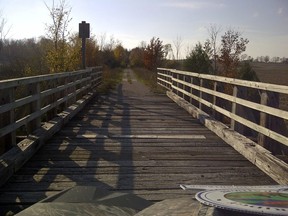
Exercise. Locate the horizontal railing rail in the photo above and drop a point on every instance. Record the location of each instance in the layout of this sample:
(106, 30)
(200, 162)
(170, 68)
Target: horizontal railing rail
(26, 103)
(238, 103)
(240, 112)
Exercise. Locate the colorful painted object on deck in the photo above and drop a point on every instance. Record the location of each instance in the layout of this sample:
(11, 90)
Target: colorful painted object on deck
(263, 202)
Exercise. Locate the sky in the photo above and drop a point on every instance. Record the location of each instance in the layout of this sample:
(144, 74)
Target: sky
(263, 22)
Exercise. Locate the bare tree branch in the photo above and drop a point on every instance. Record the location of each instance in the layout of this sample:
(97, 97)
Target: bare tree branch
(214, 49)
(178, 44)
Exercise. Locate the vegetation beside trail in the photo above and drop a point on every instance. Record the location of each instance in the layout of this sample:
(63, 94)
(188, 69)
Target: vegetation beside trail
(110, 79)
(148, 78)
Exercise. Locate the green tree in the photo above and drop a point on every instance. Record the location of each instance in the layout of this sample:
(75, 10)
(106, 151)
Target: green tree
(153, 54)
(198, 60)
(246, 72)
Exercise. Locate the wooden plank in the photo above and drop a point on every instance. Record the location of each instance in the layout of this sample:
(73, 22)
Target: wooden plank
(14, 159)
(151, 168)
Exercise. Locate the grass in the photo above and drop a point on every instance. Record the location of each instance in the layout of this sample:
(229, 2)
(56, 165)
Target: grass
(110, 79)
(149, 78)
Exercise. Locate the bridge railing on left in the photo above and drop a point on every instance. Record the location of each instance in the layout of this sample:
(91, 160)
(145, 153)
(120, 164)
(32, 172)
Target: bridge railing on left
(33, 108)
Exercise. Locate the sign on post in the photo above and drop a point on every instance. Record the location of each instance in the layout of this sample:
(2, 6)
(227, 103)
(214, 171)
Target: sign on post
(84, 32)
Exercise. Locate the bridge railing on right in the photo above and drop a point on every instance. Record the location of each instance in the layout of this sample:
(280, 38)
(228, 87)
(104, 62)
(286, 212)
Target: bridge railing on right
(249, 108)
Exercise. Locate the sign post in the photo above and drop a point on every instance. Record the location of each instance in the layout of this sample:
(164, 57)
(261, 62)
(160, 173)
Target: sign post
(84, 32)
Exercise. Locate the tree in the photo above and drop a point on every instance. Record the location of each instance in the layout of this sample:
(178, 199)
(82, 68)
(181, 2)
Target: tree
(246, 72)
(243, 57)
(92, 52)
(168, 51)
(211, 47)
(232, 46)
(136, 57)
(266, 59)
(198, 60)
(58, 33)
(3, 31)
(178, 44)
(120, 55)
(153, 54)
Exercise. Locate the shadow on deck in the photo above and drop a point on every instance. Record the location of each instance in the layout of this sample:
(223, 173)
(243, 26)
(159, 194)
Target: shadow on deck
(142, 145)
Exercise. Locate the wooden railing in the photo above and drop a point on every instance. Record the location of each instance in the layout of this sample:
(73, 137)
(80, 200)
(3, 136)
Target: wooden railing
(27, 102)
(248, 108)
(33, 109)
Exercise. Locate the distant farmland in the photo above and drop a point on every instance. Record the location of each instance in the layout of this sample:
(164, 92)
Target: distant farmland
(272, 72)
(275, 73)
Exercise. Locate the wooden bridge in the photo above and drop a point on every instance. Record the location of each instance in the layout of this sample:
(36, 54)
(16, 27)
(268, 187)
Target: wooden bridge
(132, 140)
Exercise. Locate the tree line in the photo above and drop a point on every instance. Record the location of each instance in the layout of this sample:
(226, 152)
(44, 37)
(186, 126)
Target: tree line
(59, 51)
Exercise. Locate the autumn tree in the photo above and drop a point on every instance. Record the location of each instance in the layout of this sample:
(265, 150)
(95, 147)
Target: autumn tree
(232, 46)
(57, 32)
(92, 52)
(120, 55)
(136, 57)
(153, 54)
(22, 58)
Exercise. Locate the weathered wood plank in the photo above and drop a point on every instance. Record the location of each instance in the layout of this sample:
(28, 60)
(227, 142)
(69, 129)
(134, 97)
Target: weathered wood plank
(151, 167)
(272, 166)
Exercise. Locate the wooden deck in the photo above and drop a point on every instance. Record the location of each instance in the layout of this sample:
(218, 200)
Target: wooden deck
(144, 145)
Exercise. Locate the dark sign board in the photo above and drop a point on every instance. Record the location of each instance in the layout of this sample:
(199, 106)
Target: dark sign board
(84, 30)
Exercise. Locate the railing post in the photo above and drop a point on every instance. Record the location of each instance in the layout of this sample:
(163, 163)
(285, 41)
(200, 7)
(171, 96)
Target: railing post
(177, 84)
(170, 79)
(7, 96)
(66, 92)
(214, 98)
(263, 118)
(73, 89)
(34, 89)
(234, 106)
(200, 94)
(51, 113)
(191, 89)
(184, 87)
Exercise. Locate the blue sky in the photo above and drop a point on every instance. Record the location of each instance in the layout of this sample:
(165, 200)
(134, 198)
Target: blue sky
(263, 22)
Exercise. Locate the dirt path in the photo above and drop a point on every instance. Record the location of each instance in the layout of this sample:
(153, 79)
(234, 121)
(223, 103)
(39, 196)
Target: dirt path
(132, 87)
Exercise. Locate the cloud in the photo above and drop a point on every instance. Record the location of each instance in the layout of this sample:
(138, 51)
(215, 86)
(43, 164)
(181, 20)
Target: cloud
(255, 14)
(193, 5)
(280, 11)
